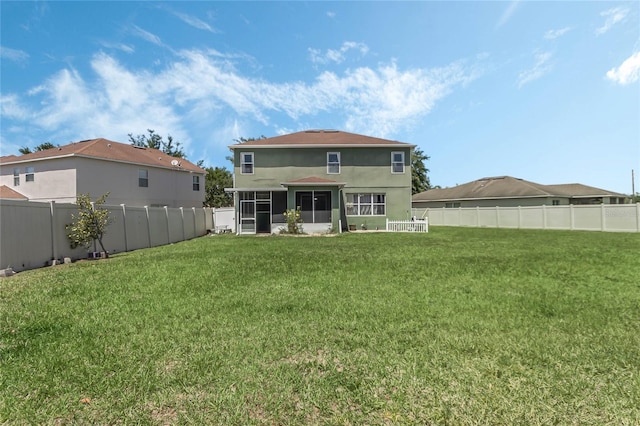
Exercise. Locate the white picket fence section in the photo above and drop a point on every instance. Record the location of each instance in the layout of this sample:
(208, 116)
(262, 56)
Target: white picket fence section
(418, 225)
(600, 217)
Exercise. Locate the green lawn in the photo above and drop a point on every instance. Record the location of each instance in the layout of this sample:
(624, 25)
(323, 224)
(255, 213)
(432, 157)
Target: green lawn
(458, 326)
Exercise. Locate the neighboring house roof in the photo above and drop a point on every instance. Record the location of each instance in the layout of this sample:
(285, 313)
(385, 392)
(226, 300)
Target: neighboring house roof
(105, 149)
(321, 139)
(8, 193)
(510, 187)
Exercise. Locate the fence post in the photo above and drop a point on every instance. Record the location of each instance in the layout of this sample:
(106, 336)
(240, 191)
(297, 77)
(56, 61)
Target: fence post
(54, 242)
(544, 216)
(477, 216)
(184, 235)
(638, 216)
(519, 217)
(124, 224)
(572, 225)
(387, 223)
(166, 214)
(195, 229)
(602, 218)
(497, 217)
(146, 208)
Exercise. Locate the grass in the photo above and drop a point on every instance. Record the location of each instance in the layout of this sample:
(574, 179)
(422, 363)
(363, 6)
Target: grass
(458, 326)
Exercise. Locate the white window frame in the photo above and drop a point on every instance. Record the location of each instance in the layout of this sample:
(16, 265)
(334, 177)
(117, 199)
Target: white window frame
(243, 163)
(196, 183)
(333, 163)
(143, 176)
(393, 162)
(29, 174)
(354, 202)
(16, 176)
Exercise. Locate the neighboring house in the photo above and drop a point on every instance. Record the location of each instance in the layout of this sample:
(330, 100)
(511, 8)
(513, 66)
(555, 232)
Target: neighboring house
(7, 193)
(506, 191)
(337, 179)
(132, 175)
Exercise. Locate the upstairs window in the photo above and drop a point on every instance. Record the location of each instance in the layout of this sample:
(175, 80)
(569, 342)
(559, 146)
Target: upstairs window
(333, 163)
(246, 163)
(143, 178)
(29, 175)
(16, 177)
(397, 162)
(196, 183)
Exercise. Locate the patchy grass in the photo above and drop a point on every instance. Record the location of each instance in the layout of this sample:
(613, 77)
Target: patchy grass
(458, 326)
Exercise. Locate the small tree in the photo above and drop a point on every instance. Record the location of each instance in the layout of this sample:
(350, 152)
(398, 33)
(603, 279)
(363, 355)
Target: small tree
(217, 179)
(419, 173)
(90, 223)
(155, 141)
(42, 147)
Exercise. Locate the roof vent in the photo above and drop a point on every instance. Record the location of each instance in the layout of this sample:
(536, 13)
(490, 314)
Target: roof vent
(138, 146)
(109, 145)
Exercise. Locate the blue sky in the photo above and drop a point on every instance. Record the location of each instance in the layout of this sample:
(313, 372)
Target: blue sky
(544, 91)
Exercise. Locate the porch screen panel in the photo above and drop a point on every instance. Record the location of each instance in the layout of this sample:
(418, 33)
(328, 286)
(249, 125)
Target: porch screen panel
(278, 206)
(322, 206)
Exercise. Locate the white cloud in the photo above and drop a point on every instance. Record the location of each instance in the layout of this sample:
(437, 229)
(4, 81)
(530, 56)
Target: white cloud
(339, 55)
(10, 107)
(554, 34)
(194, 22)
(613, 16)
(539, 69)
(146, 35)
(628, 72)
(119, 46)
(331, 14)
(508, 13)
(13, 54)
(199, 89)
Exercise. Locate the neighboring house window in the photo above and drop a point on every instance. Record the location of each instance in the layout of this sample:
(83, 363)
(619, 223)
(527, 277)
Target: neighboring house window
(196, 183)
(397, 162)
(333, 163)
(366, 204)
(451, 205)
(555, 202)
(143, 178)
(16, 177)
(246, 163)
(29, 175)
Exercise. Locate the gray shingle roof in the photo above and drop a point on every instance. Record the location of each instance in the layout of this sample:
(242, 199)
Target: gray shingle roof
(510, 187)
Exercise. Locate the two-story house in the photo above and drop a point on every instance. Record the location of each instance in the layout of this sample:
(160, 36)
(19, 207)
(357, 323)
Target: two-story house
(339, 180)
(134, 176)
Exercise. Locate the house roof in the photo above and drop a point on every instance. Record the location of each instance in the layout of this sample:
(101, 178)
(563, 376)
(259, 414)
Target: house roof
(8, 193)
(105, 149)
(510, 187)
(321, 139)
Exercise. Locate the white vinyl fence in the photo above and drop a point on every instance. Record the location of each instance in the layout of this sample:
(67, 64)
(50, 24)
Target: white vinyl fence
(33, 234)
(601, 217)
(419, 225)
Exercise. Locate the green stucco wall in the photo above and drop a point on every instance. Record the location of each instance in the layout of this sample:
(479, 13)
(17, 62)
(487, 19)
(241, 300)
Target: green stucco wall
(362, 170)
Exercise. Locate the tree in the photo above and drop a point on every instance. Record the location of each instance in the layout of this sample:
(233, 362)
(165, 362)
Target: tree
(43, 146)
(419, 178)
(216, 181)
(155, 141)
(89, 223)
